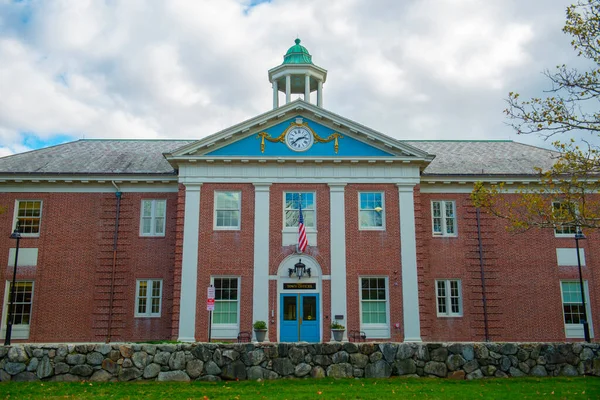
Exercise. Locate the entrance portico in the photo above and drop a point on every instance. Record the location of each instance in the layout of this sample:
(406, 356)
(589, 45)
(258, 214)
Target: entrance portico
(299, 301)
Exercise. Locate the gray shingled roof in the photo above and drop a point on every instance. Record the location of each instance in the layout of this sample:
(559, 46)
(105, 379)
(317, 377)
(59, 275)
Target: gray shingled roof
(96, 157)
(146, 157)
(484, 157)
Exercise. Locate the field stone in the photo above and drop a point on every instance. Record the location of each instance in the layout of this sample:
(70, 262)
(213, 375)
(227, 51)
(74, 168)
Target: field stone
(405, 350)
(440, 354)
(103, 349)
(151, 371)
(173, 376)
(194, 368)
(129, 374)
(17, 354)
(405, 367)
(75, 359)
(389, 351)
(516, 372)
(38, 353)
(94, 358)
(211, 368)
(340, 357)
(234, 371)
(101, 376)
(317, 372)
(44, 368)
(343, 370)
(82, 370)
(359, 360)
(477, 374)
(302, 369)
(162, 357)
(255, 373)
(455, 361)
(140, 359)
(61, 368)
(13, 368)
(436, 368)
(283, 366)
(538, 370)
(25, 377)
(177, 361)
(569, 370)
(126, 351)
(33, 364)
(379, 369)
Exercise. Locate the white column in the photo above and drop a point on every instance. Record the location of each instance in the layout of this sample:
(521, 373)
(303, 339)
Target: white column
(260, 305)
(288, 89)
(320, 93)
(189, 265)
(408, 255)
(307, 88)
(338, 253)
(275, 95)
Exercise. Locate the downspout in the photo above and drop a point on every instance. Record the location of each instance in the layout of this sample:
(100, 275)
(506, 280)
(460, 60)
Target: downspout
(484, 299)
(114, 263)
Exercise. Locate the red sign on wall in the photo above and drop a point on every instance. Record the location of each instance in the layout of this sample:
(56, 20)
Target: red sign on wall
(210, 304)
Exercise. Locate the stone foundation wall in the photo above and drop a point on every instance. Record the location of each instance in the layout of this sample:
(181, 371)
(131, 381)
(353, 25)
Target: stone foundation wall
(212, 362)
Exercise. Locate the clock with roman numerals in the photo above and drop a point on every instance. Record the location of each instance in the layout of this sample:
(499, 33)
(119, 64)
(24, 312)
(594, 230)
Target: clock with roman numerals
(299, 138)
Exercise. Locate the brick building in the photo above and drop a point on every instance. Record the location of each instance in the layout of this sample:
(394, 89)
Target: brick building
(121, 238)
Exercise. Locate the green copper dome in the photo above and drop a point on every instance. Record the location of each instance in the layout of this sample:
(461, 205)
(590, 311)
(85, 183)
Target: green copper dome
(297, 55)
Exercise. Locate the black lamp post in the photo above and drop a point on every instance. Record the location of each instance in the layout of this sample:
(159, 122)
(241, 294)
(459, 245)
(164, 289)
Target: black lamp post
(15, 235)
(586, 328)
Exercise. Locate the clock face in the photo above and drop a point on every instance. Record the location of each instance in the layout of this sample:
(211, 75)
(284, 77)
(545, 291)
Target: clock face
(299, 139)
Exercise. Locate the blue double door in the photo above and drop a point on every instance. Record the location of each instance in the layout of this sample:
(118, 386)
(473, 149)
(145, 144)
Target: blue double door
(299, 318)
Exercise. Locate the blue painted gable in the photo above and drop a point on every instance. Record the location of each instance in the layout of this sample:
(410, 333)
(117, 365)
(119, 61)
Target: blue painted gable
(250, 146)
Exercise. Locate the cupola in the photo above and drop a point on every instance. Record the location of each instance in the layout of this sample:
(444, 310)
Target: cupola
(297, 75)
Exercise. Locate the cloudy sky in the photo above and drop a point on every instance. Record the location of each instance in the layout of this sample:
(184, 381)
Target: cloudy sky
(412, 69)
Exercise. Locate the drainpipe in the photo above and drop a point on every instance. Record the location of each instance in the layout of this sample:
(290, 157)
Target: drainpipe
(484, 299)
(114, 263)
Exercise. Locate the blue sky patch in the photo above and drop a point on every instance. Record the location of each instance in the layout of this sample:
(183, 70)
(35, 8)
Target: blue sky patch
(33, 141)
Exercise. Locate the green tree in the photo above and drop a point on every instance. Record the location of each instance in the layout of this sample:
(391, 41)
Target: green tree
(562, 196)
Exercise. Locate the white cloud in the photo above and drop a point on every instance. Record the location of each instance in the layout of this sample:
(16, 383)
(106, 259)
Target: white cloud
(433, 69)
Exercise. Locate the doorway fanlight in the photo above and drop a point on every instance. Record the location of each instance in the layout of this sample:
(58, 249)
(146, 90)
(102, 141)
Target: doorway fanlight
(299, 269)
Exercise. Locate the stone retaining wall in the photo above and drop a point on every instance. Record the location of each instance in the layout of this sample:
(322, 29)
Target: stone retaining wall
(212, 362)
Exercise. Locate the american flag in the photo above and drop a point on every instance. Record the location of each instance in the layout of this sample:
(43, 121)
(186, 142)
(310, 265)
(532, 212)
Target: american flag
(302, 240)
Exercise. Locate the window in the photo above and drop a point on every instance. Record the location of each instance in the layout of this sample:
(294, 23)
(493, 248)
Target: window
(443, 218)
(449, 300)
(28, 216)
(573, 308)
(374, 313)
(148, 298)
(227, 210)
(371, 210)
(153, 218)
(563, 211)
(225, 317)
(21, 312)
(292, 206)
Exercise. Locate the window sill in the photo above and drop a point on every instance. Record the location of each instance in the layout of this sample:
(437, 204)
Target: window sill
(152, 236)
(449, 316)
(444, 236)
(226, 229)
(147, 316)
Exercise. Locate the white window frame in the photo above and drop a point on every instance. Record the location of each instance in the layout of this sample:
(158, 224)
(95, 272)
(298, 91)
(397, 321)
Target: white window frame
(314, 210)
(575, 331)
(148, 297)
(289, 234)
(375, 331)
(152, 218)
(227, 331)
(239, 210)
(382, 212)
(448, 298)
(16, 217)
(444, 227)
(20, 331)
(562, 228)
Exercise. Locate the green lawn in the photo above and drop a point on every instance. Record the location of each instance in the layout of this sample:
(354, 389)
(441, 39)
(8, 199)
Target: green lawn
(513, 388)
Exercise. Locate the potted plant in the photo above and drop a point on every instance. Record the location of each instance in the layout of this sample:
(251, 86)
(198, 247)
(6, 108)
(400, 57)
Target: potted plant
(260, 330)
(337, 330)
